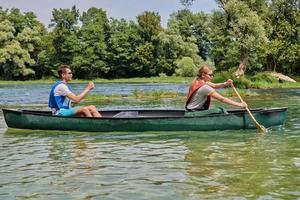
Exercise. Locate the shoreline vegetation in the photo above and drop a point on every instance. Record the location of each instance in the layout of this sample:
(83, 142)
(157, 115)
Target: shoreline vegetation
(234, 43)
(139, 97)
(260, 81)
(148, 98)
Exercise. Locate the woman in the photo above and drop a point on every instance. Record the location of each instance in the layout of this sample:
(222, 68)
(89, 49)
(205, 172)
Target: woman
(202, 90)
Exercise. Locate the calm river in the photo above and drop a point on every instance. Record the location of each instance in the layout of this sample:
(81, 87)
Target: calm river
(152, 165)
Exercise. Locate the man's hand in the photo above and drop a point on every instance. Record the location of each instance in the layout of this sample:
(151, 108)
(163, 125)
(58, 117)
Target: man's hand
(90, 85)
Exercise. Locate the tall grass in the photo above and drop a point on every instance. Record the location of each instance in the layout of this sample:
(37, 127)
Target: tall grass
(260, 80)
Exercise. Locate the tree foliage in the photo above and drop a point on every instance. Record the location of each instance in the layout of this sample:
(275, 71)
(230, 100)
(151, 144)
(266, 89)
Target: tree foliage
(20, 36)
(248, 36)
(284, 47)
(65, 34)
(90, 57)
(186, 67)
(149, 24)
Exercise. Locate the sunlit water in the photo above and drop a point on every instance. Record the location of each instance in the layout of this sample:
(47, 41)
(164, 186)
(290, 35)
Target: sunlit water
(149, 165)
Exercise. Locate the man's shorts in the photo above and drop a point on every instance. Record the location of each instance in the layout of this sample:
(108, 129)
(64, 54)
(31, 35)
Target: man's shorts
(67, 112)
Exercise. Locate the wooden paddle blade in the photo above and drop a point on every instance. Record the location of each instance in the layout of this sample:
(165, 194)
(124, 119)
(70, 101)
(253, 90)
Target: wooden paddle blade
(261, 128)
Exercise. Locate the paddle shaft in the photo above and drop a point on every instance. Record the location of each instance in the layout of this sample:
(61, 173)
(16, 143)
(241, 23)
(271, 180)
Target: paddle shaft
(249, 112)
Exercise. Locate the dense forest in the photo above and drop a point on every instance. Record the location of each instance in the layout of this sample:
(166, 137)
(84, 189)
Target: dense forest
(242, 36)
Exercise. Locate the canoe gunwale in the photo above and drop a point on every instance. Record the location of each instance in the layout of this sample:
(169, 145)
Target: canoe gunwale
(230, 112)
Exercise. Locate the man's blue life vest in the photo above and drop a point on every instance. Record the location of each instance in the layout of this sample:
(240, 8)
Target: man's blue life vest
(58, 102)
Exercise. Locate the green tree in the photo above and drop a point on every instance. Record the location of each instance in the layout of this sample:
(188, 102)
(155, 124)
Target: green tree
(143, 59)
(90, 59)
(284, 47)
(187, 24)
(21, 21)
(123, 40)
(65, 31)
(247, 28)
(176, 42)
(186, 67)
(20, 43)
(46, 57)
(224, 48)
(201, 31)
(145, 56)
(12, 56)
(172, 48)
(149, 24)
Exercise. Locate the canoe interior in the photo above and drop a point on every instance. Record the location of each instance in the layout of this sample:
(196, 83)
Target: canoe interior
(153, 113)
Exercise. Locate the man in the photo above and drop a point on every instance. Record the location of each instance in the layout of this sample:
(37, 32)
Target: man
(202, 90)
(60, 97)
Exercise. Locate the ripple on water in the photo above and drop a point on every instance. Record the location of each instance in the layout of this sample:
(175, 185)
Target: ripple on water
(184, 165)
(68, 164)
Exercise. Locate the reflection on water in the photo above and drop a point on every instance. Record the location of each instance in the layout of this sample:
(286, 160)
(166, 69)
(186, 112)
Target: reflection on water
(37, 164)
(112, 168)
(158, 165)
(254, 168)
(38, 93)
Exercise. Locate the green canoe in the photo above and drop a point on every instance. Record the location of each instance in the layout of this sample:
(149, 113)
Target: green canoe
(145, 120)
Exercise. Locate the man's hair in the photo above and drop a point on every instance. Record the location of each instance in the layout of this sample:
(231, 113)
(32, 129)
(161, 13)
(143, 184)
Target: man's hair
(203, 69)
(62, 69)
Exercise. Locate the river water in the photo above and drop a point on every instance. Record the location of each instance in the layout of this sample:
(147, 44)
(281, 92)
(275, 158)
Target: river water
(152, 165)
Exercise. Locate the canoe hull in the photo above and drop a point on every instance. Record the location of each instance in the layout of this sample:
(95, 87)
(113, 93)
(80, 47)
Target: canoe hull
(171, 121)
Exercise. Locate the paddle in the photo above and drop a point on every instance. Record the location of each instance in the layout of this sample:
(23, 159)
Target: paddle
(261, 128)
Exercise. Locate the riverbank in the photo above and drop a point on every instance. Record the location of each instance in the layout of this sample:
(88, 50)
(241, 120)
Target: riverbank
(167, 79)
(243, 83)
(139, 97)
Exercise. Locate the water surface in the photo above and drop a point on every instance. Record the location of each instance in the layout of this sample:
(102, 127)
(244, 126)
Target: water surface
(240, 164)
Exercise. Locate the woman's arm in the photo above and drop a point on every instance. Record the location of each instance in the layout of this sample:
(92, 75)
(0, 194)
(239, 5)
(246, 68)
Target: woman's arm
(220, 85)
(226, 100)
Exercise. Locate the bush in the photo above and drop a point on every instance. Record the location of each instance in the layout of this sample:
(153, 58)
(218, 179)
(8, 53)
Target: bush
(264, 77)
(162, 75)
(186, 67)
(242, 82)
(221, 77)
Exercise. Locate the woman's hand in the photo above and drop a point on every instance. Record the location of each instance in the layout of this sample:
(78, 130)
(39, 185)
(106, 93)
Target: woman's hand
(243, 104)
(229, 82)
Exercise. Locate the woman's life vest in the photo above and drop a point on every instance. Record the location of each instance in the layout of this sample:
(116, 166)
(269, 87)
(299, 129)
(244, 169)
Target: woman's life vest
(196, 84)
